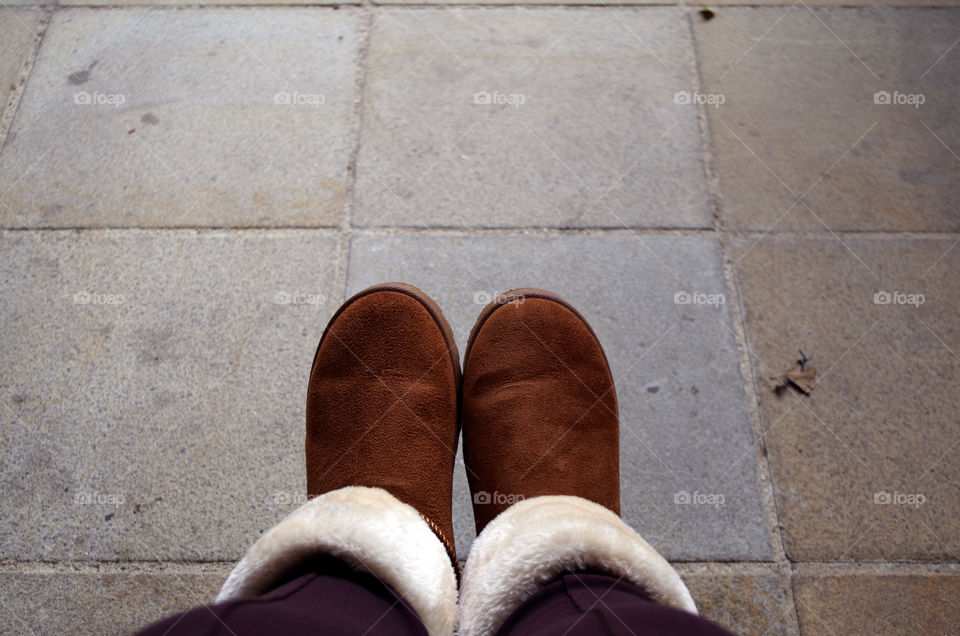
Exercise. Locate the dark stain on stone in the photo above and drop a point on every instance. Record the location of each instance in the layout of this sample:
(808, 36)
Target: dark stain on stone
(913, 177)
(81, 77)
(142, 507)
(150, 118)
(652, 389)
(156, 345)
(46, 264)
(108, 517)
(163, 398)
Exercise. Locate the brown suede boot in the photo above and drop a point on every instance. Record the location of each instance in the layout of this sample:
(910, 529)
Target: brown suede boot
(541, 445)
(383, 403)
(539, 406)
(382, 411)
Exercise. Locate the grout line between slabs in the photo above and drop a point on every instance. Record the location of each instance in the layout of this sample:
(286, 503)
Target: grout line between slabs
(830, 568)
(346, 228)
(764, 469)
(117, 567)
(14, 96)
(721, 568)
(345, 232)
(478, 231)
(367, 4)
(486, 5)
(781, 566)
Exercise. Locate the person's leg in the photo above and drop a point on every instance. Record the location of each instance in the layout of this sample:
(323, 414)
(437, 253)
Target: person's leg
(541, 446)
(590, 603)
(381, 435)
(332, 598)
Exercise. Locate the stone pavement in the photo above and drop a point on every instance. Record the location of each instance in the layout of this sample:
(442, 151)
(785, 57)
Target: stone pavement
(188, 191)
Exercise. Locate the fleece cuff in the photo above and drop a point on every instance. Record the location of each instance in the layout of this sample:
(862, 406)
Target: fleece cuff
(535, 540)
(369, 529)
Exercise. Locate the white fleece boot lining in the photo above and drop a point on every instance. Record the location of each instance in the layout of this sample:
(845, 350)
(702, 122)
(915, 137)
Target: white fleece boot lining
(371, 530)
(533, 541)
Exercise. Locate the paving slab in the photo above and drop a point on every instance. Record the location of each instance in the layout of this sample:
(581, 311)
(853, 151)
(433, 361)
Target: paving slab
(197, 117)
(29, 3)
(153, 389)
(201, 3)
(837, 3)
(844, 119)
(112, 601)
(18, 30)
(878, 603)
(529, 2)
(866, 466)
(530, 117)
(746, 598)
(688, 459)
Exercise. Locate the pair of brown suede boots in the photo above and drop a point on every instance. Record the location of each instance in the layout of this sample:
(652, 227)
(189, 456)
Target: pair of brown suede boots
(385, 407)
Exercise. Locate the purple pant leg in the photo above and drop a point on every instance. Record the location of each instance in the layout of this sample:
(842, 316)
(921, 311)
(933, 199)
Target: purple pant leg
(332, 600)
(581, 604)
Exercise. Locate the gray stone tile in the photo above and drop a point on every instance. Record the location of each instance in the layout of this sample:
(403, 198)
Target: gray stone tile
(45, 600)
(195, 117)
(800, 118)
(864, 467)
(581, 128)
(201, 3)
(530, 2)
(153, 388)
(685, 426)
(18, 29)
(838, 3)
